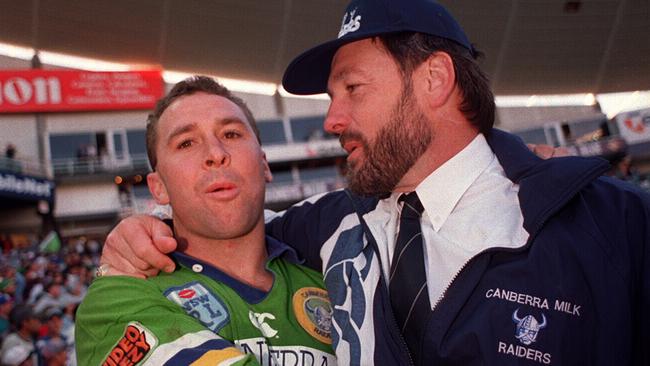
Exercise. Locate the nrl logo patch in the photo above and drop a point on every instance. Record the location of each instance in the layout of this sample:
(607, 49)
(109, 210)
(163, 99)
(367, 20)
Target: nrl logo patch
(200, 303)
(351, 25)
(314, 312)
(133, 347)
(527, 327)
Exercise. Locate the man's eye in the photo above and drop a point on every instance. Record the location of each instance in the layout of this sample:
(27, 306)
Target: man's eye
(351, 87)
(232, 134)
(185, 144)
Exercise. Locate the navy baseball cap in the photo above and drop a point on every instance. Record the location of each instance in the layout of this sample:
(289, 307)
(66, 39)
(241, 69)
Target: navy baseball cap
(308, 73)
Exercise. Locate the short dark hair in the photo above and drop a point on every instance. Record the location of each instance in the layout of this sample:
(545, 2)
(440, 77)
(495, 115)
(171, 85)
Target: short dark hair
(194, 84)
(20, 314)
(410, 49)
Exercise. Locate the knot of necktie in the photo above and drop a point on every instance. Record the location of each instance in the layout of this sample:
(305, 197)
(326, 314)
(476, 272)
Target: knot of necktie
(412, 205)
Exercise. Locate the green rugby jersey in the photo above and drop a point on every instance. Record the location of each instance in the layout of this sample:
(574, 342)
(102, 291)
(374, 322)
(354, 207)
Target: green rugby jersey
(198, 315)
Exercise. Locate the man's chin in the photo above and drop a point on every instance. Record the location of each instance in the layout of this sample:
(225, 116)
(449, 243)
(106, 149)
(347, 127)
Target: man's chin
(366, 188)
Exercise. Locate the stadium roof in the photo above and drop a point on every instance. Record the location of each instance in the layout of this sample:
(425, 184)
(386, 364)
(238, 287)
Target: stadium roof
(531, 46)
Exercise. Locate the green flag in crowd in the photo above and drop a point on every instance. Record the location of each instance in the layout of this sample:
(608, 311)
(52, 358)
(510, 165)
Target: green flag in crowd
(51, 243)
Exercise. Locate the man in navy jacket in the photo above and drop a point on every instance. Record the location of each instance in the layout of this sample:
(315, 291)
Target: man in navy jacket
(527, 261)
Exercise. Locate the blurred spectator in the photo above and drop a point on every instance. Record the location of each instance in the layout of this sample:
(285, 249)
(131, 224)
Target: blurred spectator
(10, 151)
(51, 297)
(53, 352)
(623, 168)
(5, 242)
(18, 356)
(27, 326)
(6, 305)
(67, 332)
(52, 324)
(73, 290)
(7, 285)
(91, 152)
(10, 162)
(93, 246)
(36, 278)
(52, 342)
(16, 282)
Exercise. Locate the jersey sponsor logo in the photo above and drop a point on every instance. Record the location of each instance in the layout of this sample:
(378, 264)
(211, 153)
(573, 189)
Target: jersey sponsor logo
(187, 293)
(259, 321)
(200, 303)
(270, 355)
(132, 348)
(314, 312)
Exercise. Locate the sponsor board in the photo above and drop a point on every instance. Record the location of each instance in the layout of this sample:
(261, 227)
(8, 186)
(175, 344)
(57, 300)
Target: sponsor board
(30, 91)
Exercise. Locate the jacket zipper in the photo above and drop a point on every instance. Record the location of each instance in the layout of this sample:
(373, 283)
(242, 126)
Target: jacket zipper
(401, 337)
(530, 240)
(522, 248)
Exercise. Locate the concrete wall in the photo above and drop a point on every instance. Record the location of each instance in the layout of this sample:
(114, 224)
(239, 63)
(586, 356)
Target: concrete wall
(95, 121)
(20, 130)
(86, 199)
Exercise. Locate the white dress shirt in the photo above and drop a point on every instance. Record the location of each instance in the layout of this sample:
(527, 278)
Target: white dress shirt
(469, 206)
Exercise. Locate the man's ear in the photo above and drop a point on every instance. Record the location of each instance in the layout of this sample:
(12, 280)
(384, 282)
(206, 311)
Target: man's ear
(157, 188)
(436, 78)
(268, 177)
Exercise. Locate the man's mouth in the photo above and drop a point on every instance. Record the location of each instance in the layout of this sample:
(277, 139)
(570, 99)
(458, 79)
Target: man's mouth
(220, 186)
(351, 146)
(222, 190)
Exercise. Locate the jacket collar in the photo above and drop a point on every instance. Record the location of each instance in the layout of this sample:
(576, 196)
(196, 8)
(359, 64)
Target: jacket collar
(544, 185)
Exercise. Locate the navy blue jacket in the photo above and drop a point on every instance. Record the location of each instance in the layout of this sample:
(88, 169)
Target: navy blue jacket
(578, 293)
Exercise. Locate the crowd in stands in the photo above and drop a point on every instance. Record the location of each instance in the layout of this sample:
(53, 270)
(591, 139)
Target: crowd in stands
(39, 295)
(624, 168)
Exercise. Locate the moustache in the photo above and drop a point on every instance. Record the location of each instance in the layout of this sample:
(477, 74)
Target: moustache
(352, 135)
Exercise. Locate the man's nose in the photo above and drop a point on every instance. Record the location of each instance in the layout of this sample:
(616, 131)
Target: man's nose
(216, 154)
(337, 119)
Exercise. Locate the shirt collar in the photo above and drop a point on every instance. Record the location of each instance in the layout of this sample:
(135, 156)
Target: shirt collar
(443, 188)
(274, 248)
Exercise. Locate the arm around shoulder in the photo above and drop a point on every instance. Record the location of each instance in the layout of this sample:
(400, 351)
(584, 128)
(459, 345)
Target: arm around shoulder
(306, 225)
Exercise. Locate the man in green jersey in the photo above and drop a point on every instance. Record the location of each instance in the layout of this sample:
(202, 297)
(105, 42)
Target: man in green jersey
(237, 295)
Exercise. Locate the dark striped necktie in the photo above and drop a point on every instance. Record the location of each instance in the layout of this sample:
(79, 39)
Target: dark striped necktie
(408, 282)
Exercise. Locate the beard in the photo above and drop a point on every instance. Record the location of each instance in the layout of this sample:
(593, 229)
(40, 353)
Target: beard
(396, 148)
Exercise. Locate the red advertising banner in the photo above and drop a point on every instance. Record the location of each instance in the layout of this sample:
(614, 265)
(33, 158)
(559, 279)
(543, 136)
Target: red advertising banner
(28, 91)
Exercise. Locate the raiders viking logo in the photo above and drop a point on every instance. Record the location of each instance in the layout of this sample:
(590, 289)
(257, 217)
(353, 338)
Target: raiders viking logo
(314, 312)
